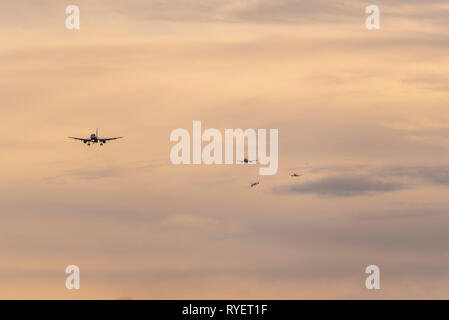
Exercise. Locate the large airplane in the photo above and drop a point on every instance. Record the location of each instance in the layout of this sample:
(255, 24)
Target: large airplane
(95, 139)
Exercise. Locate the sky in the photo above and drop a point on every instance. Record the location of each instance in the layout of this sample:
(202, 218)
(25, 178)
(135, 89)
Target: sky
(363, 114)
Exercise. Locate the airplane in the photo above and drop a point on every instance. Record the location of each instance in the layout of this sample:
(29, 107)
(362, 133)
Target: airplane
(95, 139)
(296, 175)
(253, 184)
(245, 160)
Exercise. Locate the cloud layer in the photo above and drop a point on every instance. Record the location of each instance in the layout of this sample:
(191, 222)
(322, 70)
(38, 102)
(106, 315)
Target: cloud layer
(347, 181)
(343, 186)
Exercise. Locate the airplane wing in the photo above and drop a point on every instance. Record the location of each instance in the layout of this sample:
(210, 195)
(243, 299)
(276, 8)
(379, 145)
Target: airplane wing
(80, 139)
(109, 139)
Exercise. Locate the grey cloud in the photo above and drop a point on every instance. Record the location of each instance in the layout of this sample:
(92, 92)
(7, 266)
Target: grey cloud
(109, 172)
(94, 174)
(237, 10)
(343, 186)
(274, 11)
(438, 175)
(435, 82)
(398, 215)
(384, 229)
(350, 181)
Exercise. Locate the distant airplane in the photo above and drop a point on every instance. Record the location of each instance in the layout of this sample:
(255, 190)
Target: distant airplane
(95, 139)
(296, 175)
(245, 160)
(253, 184)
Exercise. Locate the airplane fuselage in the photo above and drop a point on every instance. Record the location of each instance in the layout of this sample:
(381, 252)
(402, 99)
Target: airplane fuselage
(93, 138)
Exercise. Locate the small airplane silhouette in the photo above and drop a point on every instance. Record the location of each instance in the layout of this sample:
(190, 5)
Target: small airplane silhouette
(245, 160)
(253, 184)
(296, 175)
(95, 139)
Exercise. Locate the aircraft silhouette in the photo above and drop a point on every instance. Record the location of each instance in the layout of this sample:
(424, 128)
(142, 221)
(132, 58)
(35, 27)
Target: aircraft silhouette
(253, 184)
(245, 160)
(296, 175)
(95, 139)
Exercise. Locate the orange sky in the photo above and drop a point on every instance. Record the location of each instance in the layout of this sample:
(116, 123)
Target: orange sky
(362, 113)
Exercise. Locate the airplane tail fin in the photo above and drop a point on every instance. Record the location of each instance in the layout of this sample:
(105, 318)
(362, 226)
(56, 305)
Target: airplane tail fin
(96, 132)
